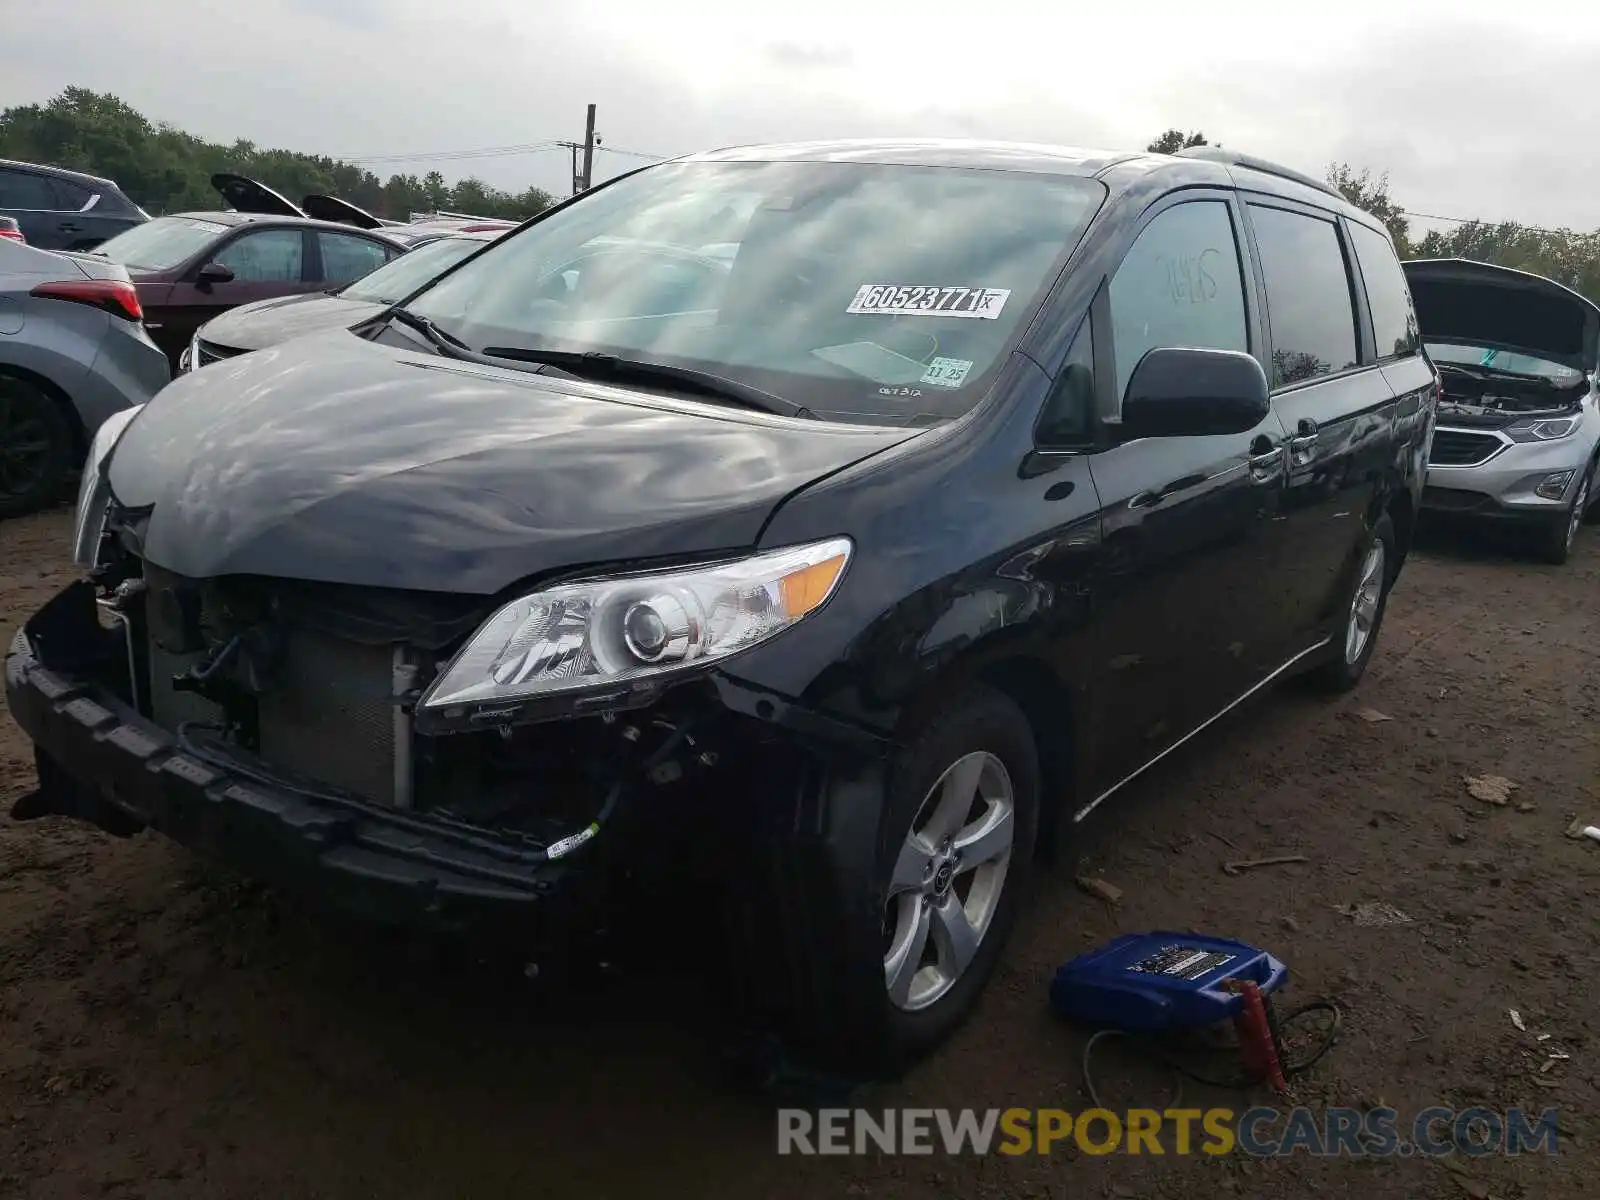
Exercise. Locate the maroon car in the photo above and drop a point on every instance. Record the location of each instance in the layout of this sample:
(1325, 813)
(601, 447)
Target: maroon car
(191, 266)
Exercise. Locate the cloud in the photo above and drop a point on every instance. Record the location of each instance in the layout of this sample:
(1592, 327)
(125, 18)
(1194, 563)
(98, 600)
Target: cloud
(1468, 114)
(799, 57)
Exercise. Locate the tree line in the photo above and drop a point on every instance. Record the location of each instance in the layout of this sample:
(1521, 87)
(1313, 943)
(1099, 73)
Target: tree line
(1570, 257)
(163, 169)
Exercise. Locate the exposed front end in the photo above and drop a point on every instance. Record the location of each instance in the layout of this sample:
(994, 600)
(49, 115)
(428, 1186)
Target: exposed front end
(1519, 413)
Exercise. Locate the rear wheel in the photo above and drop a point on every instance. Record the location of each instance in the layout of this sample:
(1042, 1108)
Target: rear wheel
(36, 448)
(955, 849)
(1358, 635)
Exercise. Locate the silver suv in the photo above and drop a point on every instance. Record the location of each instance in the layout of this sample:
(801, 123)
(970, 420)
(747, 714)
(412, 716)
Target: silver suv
(1519, 419)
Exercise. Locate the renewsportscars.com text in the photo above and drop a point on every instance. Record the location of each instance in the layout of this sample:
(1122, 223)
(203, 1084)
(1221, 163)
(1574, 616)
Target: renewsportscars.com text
(1261, 1132)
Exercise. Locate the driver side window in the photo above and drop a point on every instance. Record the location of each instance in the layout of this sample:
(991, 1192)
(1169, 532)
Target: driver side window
(1179, 285)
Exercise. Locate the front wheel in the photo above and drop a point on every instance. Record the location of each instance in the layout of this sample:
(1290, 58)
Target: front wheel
(1553, 541)
(1369, 598)
(954, 851)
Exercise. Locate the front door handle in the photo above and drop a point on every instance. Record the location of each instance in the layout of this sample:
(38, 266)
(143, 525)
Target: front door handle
(1265, 460)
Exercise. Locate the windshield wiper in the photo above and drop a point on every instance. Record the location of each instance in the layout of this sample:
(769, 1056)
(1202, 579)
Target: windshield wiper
(599, 365)
(445, 343)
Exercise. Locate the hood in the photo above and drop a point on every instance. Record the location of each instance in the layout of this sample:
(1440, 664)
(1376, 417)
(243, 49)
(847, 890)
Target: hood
(331, 208)
(335, 459)
(1479, 304)
(248, 196)
(267, 322)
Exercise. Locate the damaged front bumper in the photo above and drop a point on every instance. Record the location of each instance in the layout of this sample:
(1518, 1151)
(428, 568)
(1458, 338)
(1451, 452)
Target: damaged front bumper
(101, 761)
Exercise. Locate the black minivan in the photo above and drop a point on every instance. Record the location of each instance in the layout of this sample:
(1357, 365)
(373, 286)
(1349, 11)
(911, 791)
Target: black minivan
(779, 548)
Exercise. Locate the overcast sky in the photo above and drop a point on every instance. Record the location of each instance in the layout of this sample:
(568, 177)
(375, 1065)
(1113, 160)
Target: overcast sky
(1472, 112)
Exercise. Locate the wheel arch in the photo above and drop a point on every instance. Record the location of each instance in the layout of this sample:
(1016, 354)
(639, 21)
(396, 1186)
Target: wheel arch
(1040, 694)
(1402, 512)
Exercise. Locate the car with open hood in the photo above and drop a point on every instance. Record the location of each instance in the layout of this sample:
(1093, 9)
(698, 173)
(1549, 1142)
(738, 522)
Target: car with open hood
(805, 595)
(1519, 419)
(265, 323)
(189, 267)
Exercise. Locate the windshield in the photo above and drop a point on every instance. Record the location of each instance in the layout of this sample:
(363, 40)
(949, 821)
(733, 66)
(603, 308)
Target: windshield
(161, 244)
(398, 278)
(1502, 360)
(859, 291)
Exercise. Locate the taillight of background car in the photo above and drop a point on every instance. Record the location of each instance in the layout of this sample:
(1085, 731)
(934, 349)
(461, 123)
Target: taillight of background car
(10, 229)
(110, 295)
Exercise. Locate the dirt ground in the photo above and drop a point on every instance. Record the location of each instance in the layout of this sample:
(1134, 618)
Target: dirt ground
(167, 1030)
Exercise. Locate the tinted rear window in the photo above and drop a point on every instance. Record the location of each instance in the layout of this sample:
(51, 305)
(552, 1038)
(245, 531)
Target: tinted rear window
(1394, 323)
(1308, 295)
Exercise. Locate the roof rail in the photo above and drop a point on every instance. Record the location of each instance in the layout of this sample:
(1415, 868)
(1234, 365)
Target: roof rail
(1233, 158)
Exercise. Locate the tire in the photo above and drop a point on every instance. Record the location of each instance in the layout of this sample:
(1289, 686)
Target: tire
(36, 448)
(978, 737)
(1553, 540)
(1344, 669)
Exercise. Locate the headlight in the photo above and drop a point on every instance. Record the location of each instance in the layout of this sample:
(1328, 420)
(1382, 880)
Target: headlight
(1543, 431)
(601, 632)
(189, 357)
(93, 491)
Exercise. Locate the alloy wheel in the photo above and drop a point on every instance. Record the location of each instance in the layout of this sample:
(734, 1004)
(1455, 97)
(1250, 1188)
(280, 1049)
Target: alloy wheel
(1579, 503)
(948, 879)
(1364, 607)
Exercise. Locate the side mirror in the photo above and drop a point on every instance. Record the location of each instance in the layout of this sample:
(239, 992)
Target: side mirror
(1186, 392)
(214, 272)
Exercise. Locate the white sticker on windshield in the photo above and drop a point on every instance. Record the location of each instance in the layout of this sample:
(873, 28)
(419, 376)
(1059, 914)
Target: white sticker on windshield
(893, 299)
(947, 372)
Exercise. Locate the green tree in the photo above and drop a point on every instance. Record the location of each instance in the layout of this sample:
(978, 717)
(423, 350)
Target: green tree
(1174, 140)
(1371, 193)
(165, 169)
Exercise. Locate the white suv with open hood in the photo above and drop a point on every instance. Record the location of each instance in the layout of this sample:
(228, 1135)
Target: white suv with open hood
(1519, 419)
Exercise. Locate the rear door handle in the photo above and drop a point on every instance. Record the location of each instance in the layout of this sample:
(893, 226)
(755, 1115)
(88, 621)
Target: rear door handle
(69, 227)
(1306, 431)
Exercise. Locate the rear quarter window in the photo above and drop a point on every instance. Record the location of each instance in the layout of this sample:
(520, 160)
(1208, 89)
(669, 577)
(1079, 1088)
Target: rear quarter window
(1309, 311)
(1394, 320)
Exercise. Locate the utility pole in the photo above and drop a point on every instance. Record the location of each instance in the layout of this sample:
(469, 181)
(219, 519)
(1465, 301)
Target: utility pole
(584, 178)
(588, 150)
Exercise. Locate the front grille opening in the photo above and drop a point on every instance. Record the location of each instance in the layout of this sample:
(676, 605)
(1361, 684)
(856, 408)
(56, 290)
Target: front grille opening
(206, 353)
(1459, 448)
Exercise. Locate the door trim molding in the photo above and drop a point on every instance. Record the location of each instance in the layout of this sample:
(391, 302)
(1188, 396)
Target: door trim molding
(1213, 718)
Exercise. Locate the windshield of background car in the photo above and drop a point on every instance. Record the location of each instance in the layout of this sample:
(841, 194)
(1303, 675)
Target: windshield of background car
(161, 244)
(398, 278)
(863, 292)
(1502, 360)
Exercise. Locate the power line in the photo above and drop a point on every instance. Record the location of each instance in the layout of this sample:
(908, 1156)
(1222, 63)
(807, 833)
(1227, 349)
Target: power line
(490, 152)
(1483, 221)
(631, 153)
(453, 155)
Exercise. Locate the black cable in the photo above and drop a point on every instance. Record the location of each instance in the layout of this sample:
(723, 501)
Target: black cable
(1153, 1050)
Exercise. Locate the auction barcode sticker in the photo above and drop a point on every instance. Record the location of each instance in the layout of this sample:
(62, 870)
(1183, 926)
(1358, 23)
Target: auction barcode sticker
(893, 299)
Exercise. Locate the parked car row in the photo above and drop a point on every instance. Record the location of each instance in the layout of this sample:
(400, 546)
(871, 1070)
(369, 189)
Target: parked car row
(819, 531)
(153, 285)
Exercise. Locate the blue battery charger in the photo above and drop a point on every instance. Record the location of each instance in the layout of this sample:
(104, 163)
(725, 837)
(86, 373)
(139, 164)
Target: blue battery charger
(1156, 982)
